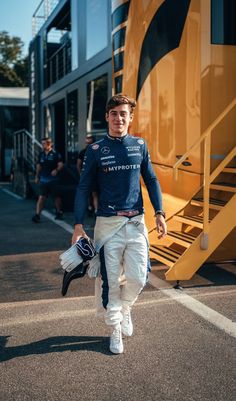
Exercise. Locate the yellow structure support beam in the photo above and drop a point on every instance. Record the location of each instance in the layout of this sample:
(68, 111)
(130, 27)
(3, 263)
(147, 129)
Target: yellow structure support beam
(192, 259)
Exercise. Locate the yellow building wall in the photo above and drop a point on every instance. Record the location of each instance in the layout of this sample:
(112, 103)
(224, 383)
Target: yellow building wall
(183, 94)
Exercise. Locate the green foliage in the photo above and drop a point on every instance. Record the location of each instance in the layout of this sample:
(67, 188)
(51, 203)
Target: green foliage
(13, 66)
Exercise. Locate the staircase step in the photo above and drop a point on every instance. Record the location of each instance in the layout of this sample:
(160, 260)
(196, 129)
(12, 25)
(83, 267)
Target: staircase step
(196, 221)
(229, 170)
(164, 254)
(184, 239)
(215, 204)
(222, 186)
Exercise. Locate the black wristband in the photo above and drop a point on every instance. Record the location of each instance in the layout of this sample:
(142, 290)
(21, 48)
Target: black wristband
(161, 213)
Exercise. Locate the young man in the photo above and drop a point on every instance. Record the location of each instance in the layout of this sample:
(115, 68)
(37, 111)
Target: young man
(116, 163)
(47, 169)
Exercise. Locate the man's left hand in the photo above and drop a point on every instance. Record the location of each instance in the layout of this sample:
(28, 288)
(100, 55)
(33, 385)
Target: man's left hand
(161, 226)
(54, 172)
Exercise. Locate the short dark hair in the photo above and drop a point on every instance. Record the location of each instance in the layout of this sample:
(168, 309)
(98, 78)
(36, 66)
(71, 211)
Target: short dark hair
(46, 139)
(117, 100)
(90, 136)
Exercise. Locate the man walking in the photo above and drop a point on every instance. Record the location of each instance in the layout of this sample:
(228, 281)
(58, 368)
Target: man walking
(116, 163)
(47, 169)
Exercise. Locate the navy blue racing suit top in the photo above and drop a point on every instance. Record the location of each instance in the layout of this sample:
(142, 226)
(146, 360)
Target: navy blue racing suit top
(115, 164)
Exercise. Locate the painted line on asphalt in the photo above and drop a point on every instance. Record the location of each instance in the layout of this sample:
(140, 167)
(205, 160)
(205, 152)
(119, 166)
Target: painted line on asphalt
(47, 317)
(56, 315)
(81, 311)
(192, 304)
(67, 314)
(12, 194)
(33, 302)
(195, 306)
(60, 223)
(89, 298)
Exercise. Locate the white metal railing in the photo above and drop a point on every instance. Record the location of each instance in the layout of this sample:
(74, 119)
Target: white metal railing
(26, 149)
(42, 13)
(59, 64)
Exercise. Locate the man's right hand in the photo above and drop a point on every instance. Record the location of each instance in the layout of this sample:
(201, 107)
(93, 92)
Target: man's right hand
(78, 232)
(36, 180)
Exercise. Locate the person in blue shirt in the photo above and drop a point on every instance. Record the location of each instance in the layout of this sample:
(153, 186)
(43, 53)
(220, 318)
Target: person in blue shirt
(92, 203)
(116, 163)
(47, 169)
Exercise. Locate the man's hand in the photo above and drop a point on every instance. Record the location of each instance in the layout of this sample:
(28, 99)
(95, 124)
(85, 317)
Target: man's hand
(78, 232)
(36, 180)
(161, 226)
(54, 172)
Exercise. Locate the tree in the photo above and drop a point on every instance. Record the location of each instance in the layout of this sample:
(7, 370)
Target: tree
(13, 66)
(8, 77)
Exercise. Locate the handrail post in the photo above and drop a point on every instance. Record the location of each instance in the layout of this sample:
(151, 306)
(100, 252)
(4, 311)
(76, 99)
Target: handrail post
(206, 192)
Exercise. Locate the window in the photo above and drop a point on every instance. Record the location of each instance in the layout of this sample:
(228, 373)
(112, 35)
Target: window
(223, 17)
(97, 92)
(96, 26)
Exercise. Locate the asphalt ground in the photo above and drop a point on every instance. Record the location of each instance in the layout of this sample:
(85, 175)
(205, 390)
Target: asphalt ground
(54, 348)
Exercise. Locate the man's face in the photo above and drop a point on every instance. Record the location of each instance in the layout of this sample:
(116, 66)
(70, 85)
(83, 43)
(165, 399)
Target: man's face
(119, 120)
(46, 145)
(88, 140)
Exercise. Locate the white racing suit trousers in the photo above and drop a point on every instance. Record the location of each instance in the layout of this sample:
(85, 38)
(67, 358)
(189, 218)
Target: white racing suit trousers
(126, 252)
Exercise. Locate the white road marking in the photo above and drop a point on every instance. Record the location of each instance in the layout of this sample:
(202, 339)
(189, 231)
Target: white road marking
(195, 306)
(82, 311)
(48, 317)
(12, 194)
(35, 302)
(89, 298)
(60, 223)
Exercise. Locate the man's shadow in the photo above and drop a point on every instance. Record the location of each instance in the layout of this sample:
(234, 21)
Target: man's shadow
(54, 344)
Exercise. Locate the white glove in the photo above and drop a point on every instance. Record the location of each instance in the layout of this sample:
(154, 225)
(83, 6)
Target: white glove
(70, 259)
(94, 267)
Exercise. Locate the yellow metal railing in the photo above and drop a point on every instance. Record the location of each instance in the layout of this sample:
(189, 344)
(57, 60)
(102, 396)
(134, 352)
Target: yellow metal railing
(208, 177)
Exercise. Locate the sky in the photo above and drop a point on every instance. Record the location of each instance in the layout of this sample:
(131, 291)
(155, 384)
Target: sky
(16, 19)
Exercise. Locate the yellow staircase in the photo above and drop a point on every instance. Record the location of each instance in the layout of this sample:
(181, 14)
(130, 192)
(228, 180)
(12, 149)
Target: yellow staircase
(196, 231)
(192, 244)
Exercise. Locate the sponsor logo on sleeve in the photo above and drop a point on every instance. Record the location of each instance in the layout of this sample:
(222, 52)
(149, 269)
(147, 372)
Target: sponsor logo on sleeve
(105, 150)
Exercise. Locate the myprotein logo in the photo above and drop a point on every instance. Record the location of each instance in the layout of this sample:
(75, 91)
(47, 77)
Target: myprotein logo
(122, 167)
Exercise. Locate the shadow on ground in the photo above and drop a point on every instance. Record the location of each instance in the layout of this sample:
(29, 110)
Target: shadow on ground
(54, 344)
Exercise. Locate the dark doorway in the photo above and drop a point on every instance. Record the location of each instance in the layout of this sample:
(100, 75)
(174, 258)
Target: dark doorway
(59, 127)
(12, 119)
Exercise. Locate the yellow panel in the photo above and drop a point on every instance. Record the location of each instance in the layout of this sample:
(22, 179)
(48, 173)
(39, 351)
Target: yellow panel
(184, 93)
(194, 257)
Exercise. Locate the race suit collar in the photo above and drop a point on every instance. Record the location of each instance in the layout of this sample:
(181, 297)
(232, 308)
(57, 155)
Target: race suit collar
(117, 138)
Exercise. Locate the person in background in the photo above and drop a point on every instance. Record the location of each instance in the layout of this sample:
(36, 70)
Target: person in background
(88, 140)
(117, 163)
(93, 197)
(48, 166)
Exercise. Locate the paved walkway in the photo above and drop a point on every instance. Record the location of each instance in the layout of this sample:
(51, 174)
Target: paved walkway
(54, 348)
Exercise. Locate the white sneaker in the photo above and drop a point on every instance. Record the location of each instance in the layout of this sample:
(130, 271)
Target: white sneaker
(116, 343)
(126, 324)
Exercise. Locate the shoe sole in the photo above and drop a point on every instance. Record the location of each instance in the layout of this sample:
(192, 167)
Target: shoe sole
(117, 353)
(126, 335)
